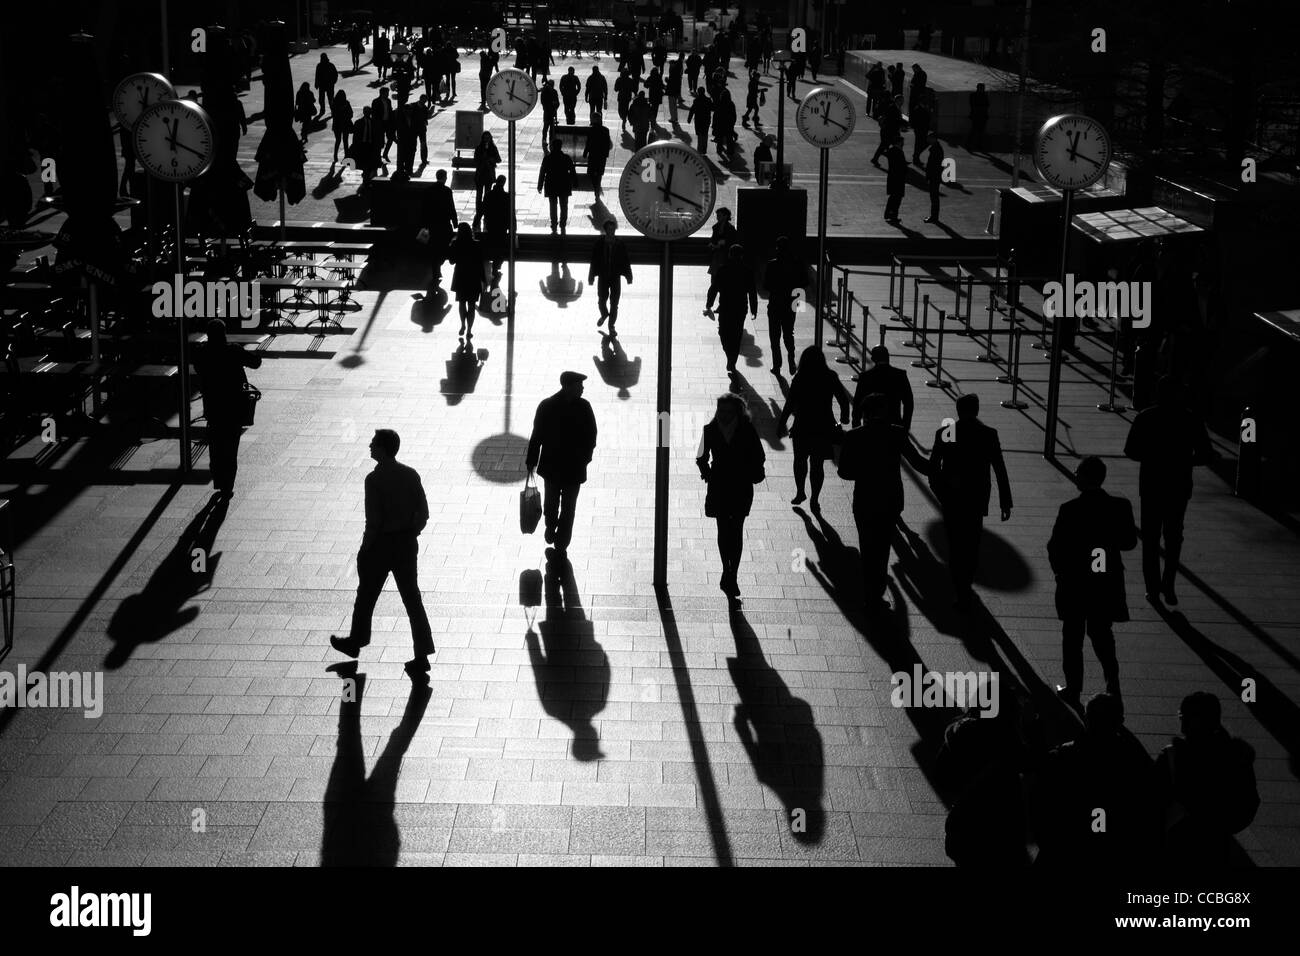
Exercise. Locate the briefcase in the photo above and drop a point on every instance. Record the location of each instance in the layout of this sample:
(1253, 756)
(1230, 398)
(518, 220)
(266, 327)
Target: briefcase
(530, 588)
(530, 506)
(248, 398)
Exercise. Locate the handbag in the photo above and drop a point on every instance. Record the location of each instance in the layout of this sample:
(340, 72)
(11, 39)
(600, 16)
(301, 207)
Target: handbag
(249, 397)
(530, 506)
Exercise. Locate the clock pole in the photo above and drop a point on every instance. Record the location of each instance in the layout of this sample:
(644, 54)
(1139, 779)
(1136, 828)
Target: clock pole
(663, 417)
(823, 283)
(1058, 342)
(510, 281)
(184, 364)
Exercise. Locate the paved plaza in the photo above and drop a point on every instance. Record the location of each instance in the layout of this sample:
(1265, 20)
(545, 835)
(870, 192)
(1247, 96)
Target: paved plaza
(604, 726)
(967, 203)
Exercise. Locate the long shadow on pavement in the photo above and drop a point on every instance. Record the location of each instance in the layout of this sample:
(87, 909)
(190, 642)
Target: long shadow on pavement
(779, 734)
(570, 668)
(359, 824)
(158, 610)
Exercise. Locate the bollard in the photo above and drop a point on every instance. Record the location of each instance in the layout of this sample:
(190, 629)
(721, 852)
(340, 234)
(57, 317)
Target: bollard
(843, 288)
(893, 261)
(1250, 461)
(970, 297)
(1109, 405)
(938, 382)
(1013, 357)
(923, 362)
(991, 355)
(1014, 366)
(916, 288)
(956, 309)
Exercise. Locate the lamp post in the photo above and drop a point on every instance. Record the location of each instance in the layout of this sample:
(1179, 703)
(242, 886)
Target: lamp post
(782, 58)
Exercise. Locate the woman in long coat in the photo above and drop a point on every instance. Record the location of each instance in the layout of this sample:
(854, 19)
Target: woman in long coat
(486, 157)
(730, 459)
(814, 389)
(467, 277)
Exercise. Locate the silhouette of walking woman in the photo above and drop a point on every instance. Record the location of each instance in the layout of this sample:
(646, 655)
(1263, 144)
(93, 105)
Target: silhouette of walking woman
(730, 459)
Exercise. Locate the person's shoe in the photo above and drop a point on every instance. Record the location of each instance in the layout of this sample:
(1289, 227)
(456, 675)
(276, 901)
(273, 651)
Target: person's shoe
(549, 536)
(552, 230)
(419, 665)
(776, 369)
(1167, 592)
(1153, 598)
(600, 321)
(929, 219)
(613, 333)
(708, 311)
(1070, 698)
(564, 229)
(815, 506)
(799, 499)
(345, 645)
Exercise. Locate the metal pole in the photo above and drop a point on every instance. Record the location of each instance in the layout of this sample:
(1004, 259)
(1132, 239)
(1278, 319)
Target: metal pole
(937, 382)
(283, 238)
(1020, 97)
(1109, 405)
(166, 41)
(778, 181)
(182, 336)
(1058, 344)
(923, 362)
(1013, 368)
(663, 415)
(510, 280)
(990, 354)
(823, 181)
(92, 297)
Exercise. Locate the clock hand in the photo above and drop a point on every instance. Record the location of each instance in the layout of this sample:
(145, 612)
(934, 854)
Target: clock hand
(190, 148)
(1087, 158)
(685, 200)
(827, 119)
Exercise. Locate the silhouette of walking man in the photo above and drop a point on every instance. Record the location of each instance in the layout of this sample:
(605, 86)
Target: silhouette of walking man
(561, 446)
(960, 460)
(1084, 550)
(610, 264)
(396, 513)
(871, 458)
(886, 380)
(1168, 441)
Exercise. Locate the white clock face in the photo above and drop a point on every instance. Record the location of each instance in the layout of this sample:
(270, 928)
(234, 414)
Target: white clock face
(511, 94)
(826, 118)
(137, 93)
(1072, 151)
(174, 140)
(667, 191)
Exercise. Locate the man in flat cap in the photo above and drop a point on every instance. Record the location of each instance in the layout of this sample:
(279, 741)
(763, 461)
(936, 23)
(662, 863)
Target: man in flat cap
(563, 439)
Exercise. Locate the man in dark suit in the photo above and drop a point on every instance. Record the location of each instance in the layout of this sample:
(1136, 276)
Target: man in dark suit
(570, 87)
(934, 174)
(1168, 441)
(563, 439)
(871, 458)
(891, 127)
(1084, 550)
(220, 365)
(895, 180)
(963, 453)
(979, 117)
(557, 176)
(610, 264)
(721, 239)
(440, 221)
(396, 513)
(883, 378)
(597, 151)
(783, 277)
(737, 296)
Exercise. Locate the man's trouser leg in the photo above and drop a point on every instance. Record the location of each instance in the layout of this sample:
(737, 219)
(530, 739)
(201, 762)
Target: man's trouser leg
(1102, 636)
(1152, 521)
(559, 501)
(223, 456)
(405, 566)
(892, 205)
(615, 293)
(372, 572)
(874, 533)
(776, 325)
(1072, 630)
(934, 201)
(602, 296)
(1175, 511)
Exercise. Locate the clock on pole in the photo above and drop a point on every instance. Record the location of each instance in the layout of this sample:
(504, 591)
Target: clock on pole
(667, 191)
(136, 93)
(511, 95)
(826, 118)
(174, 142)
(1071, 151)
